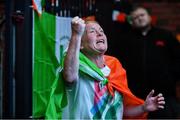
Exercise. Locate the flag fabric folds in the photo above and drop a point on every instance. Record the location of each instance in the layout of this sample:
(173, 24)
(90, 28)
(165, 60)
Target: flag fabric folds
(51, 36)
(50, 39)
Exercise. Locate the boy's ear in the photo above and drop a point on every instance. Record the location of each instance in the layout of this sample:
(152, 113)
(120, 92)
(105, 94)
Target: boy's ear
(129, 19)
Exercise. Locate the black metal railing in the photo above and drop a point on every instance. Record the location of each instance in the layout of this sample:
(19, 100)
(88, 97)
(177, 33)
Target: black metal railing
(71, 8)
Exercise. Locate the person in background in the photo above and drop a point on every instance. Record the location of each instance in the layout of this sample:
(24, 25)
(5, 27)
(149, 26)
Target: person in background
(151, 57)
(96, 84)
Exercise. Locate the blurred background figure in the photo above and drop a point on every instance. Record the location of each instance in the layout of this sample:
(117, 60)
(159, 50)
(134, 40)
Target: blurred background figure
(151, 57)
(16, 42)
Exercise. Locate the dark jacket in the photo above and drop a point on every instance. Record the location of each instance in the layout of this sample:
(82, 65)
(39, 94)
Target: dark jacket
(151, 61)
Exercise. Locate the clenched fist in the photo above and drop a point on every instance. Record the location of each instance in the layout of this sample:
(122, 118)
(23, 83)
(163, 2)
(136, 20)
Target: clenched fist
(78, 25)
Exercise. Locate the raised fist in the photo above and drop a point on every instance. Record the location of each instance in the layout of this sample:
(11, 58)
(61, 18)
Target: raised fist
(78, 25)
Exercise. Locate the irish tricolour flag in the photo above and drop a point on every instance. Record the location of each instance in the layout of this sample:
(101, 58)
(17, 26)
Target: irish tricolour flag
(50, 39)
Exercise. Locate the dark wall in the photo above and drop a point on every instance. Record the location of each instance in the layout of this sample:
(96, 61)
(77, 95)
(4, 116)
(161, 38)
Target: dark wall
(17, 98)
(23, 60)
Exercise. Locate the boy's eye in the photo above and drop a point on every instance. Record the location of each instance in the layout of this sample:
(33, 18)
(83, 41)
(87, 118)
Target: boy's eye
(142, 15)
(135, 18)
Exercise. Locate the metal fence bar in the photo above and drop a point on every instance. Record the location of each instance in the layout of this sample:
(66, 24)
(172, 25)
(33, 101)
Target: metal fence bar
(71, 8)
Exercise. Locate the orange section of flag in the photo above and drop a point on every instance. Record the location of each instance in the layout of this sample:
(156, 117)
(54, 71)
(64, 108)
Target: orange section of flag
(118, 81)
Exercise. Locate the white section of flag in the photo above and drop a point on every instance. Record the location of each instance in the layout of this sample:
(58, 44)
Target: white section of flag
(63, 33)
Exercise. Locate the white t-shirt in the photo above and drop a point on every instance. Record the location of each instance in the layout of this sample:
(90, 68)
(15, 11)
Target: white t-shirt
(88, 99)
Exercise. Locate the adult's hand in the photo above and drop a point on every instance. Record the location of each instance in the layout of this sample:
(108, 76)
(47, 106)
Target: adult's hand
(153, 103)
(78, 25)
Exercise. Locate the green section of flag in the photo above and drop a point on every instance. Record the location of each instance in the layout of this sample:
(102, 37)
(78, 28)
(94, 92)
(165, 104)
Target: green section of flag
(48, 88)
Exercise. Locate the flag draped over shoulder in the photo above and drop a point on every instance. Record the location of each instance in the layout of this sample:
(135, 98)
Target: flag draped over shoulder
(51, 35)
(50, 38)
(117, 80)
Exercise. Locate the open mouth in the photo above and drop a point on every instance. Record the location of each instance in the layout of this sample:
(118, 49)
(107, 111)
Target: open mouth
(100, 41)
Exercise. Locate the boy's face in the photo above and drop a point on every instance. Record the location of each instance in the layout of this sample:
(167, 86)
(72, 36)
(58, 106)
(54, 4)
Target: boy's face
(140, 18)
(94, 40)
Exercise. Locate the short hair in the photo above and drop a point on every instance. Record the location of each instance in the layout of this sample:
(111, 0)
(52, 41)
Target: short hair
(90, 21)
(135, 7)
